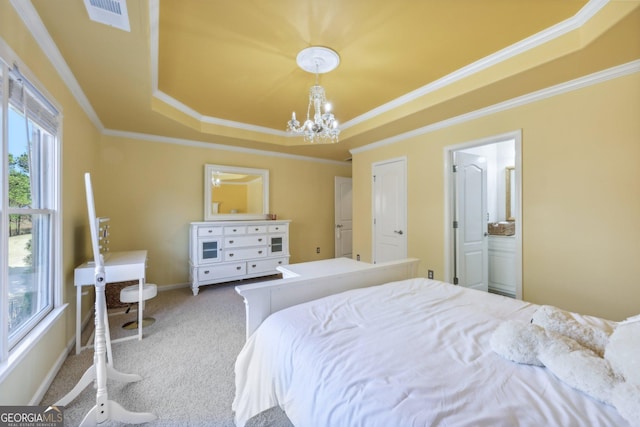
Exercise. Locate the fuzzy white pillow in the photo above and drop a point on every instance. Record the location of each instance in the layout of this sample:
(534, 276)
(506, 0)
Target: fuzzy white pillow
(613, 379)
(626, 399)
(581, 369)
(522, 342)
(563, 323)
(623, 351)
(518, 341)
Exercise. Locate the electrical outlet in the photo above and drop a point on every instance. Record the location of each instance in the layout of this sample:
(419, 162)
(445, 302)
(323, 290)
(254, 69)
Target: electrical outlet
(318, 250)
(430, 274)
(358, 257)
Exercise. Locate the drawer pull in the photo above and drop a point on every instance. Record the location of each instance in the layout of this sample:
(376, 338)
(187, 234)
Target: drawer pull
(231, 254)
(279, 262)
(259, 240)
(253, 266)
(238, 268)
(231, 242)
(259, 252)
(206, 272)
(209, 231)
(257, 229)
(234, 230)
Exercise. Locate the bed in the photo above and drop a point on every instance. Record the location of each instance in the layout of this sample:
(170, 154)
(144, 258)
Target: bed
(307, 281)
(407, 353)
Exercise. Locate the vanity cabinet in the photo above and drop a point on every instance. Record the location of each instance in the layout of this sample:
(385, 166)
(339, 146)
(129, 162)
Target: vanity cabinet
(502, 265)
(221, 251)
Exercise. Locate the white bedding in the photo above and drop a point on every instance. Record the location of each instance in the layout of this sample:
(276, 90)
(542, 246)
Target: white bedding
(409, 353)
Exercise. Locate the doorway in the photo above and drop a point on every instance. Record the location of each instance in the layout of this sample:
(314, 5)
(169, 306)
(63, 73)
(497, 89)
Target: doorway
(470, 188)
(343, 217)
(502, 259)
(389, 190)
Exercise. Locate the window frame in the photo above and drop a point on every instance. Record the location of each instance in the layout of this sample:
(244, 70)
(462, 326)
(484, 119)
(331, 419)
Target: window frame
(11, 353)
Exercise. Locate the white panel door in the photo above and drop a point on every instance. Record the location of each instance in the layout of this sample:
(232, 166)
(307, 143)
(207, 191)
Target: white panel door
(343, 217)
(470, 223)
(389, 211)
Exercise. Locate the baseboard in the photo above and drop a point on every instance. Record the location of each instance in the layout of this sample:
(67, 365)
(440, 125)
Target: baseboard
(51, 375)
(174, 286)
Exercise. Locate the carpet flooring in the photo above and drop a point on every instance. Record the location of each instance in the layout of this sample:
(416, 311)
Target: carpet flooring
(186, 360)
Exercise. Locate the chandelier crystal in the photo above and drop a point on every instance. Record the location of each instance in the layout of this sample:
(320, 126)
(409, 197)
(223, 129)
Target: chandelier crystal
(322, 127)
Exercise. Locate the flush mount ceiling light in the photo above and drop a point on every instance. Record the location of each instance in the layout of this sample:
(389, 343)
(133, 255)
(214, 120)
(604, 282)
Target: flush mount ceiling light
(322, 128)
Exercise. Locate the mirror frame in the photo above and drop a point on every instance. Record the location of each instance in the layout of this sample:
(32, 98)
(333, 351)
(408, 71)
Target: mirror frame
(210, 169)
(510, 192)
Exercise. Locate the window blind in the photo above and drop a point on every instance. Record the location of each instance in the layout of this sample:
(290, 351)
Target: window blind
(38, 109)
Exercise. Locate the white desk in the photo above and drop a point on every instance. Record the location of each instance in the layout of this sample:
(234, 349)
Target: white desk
(119, 267)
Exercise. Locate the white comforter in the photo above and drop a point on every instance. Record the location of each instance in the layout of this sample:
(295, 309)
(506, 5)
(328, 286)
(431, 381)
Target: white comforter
(409, 353)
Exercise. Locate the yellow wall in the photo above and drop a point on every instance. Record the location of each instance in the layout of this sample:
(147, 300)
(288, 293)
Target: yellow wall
(581, 209)
(79, 147)
(152, 191)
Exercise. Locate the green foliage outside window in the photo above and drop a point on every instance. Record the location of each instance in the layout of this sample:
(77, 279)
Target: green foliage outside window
(19, 192)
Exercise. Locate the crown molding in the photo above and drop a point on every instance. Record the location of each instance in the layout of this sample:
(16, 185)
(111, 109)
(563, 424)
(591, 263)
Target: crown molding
(538, 39)
(167, 99)
(214, 146)
(587, 12)
(34, 24)
(571, 85)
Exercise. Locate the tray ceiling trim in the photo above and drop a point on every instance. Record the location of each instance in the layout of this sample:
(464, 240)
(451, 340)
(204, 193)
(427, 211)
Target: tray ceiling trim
(579, 19)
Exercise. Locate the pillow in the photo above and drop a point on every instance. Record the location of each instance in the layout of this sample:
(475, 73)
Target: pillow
(518, 341)
(623, 351)
(565, 323)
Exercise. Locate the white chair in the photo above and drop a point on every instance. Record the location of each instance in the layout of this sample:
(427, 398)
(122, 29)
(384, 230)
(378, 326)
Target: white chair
(130, 295)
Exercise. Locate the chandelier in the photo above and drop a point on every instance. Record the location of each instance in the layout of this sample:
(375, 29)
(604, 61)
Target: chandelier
(322, 127)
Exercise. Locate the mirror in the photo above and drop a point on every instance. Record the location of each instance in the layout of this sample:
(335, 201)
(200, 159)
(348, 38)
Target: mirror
(510, 195)
(235, 193)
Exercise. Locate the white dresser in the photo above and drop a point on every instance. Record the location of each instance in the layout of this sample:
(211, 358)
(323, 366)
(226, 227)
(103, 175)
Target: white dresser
(222, 251)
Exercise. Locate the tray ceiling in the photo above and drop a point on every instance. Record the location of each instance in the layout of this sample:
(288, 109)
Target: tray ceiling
(225, 72)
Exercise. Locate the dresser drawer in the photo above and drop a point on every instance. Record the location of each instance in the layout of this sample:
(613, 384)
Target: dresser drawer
(280, 228)
(234, 230)
(221, 251)
(256, 229)
(209, 231)
(227, 270)
(248, 253)
(265, 265)
(243, 241)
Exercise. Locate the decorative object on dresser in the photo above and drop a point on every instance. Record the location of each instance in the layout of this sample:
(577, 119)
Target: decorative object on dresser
(222, 251)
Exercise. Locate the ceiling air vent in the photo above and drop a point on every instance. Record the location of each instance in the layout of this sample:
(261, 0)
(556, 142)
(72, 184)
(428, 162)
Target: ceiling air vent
(109, 12)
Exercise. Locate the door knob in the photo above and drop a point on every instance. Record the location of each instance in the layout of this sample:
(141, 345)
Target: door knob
(398, 232)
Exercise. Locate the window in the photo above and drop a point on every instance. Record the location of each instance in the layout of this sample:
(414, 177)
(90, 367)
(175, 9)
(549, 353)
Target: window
(29, 207)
